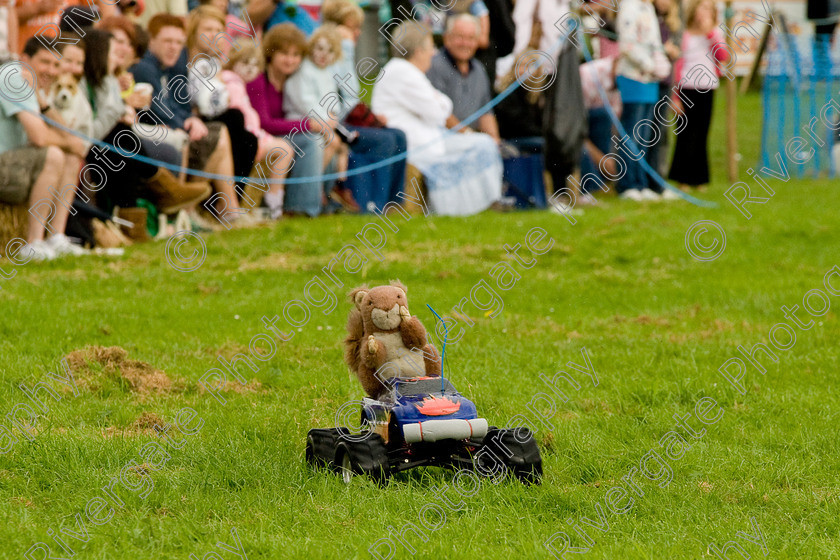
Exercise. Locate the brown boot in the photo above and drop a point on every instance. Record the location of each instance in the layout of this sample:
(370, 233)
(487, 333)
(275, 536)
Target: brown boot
(344, 196)
(108, 235)
(137, 216)
(171, 195)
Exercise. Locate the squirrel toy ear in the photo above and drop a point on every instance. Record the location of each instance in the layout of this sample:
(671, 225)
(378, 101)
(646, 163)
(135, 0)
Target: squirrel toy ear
(360, 295)
(357, 295)
(401, 286)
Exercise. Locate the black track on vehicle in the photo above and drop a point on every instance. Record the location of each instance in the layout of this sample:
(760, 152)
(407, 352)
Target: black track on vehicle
(518, 450)
(367, 457)
(320, 445)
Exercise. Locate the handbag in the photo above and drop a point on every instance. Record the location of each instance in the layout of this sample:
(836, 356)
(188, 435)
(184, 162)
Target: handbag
(361, 115)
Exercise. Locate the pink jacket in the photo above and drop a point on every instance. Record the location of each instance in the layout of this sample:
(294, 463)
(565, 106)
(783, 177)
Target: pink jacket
(239, 100)
(721, 54)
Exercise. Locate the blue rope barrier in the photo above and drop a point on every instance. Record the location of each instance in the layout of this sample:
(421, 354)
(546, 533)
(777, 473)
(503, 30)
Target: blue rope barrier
(296, 180)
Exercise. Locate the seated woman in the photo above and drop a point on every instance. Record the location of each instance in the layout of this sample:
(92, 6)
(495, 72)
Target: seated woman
(283, 50)
(314, 82)
(123, 182)
(214, 106)
(463, 172)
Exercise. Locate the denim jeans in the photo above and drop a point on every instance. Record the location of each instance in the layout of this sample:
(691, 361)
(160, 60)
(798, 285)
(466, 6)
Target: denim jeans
(305, 197)
(376, 187)
(633, 113)
(600, 134)
(658, 152)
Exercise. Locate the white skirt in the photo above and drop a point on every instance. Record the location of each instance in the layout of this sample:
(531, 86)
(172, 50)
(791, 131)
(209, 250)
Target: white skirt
(466, 179)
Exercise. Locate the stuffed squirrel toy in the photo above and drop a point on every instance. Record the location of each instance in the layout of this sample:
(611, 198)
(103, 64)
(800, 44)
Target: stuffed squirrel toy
(384, 337)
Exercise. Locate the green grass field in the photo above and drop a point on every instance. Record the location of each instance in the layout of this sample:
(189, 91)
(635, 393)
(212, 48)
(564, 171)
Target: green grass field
(656, 323)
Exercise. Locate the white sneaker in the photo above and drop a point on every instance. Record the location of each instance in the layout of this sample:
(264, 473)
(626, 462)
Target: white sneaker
(38, 251)
(274, 201)
(650, 195)
(61, 245)
(668, 194)
(631, 194)
(109, 251)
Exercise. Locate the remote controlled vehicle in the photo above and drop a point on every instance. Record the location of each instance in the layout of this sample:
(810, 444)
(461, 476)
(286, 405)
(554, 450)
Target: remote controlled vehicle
(423, 421)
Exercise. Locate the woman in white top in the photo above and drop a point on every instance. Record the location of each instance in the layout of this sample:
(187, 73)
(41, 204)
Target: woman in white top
(125, 178)
(463, 172)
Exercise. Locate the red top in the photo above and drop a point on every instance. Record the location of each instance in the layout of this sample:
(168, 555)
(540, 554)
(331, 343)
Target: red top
(268, 102)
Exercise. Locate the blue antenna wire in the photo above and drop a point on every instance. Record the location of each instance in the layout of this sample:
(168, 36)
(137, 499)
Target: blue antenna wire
(443, 352)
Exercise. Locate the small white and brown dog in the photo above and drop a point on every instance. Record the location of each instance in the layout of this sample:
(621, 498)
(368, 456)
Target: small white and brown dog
(71, 102)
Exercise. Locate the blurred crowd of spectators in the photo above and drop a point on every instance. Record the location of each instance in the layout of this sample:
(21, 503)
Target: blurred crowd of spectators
(164, 102)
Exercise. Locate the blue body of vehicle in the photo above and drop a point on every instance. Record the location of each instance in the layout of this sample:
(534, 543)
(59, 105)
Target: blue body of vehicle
(418, 399)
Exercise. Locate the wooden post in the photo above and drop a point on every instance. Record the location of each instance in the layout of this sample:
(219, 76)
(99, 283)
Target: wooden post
(731, 107)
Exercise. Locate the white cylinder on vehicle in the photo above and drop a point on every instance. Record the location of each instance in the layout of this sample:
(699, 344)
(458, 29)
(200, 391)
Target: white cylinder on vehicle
(436, 430)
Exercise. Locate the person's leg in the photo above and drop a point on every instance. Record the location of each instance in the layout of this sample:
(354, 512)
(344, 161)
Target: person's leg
(176, 157)
(379, 144)
(50, 200)
(683, 163)
(221, 163)
(163, 152)
(600, 131)
(397, 168)
(125, 175)
(589, 158)
(276, 157)
(280, 162)
(305, 197)
(631, 114)
(244, 145)
(331, 150)
(705, 104)
(645, 136)
(50, 175)
(658, 150)
(127, 140)
(185, 160)
(641, 134)
(342, 163)
(63, 199)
